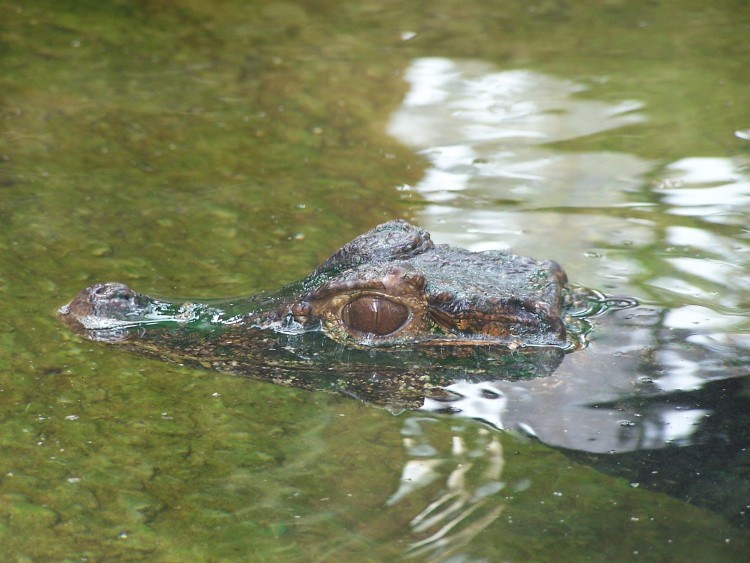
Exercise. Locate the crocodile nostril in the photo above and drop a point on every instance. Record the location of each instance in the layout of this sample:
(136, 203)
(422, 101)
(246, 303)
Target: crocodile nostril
(100, 290)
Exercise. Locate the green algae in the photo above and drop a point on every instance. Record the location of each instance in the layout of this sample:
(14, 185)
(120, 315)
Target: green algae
(221, 148)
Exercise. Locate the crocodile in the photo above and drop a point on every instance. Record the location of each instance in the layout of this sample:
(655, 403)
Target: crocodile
(390, 318)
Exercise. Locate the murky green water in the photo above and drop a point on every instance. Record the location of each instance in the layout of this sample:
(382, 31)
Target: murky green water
(212, 149)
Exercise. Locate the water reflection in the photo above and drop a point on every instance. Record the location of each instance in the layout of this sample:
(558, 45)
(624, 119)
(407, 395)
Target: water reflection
(484, 133)
(715, 189)
(494, 180)
(466, 505)
(664, 418)
(673, 232)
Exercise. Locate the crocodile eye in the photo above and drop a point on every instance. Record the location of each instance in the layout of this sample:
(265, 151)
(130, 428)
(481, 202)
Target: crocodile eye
(374, 315)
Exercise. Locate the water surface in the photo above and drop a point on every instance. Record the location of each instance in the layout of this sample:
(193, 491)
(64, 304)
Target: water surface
(220, 150)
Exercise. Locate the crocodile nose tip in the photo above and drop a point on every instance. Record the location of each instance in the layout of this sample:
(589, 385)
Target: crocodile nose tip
(99, 300)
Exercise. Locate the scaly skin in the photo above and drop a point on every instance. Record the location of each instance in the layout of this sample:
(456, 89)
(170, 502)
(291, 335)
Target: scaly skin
(389, 318)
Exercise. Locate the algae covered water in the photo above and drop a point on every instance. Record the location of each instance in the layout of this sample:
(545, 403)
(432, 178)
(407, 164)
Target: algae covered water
(224, 149)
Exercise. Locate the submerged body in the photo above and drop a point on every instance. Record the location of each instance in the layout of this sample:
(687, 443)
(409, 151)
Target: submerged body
(394, 320)
(390, 318)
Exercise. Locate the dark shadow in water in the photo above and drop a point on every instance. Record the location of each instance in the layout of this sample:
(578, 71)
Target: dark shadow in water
(632, 419)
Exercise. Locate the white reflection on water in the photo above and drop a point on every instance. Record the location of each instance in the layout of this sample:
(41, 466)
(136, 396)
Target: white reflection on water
(496, 181)
(454, 101)
(678, 427)
(714, 189)
(692, 316)
(467, 504)
(483, 132)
